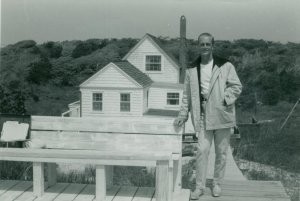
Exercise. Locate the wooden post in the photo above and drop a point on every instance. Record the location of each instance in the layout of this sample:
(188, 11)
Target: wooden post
(52, 175)
(38, 179)
(100, 183)
(162, 181)
(170, 184)
(109, 171)
(177, 174)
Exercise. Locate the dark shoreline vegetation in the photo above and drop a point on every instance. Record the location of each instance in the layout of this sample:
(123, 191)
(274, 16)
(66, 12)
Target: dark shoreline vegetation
(42, 79)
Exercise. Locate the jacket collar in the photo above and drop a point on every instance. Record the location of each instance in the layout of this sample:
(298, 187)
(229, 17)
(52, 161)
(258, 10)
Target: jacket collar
(218, 61)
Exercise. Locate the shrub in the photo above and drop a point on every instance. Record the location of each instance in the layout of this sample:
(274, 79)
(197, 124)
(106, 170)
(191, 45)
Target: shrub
(39, 72)
(87, 47)
(52, 49)
(25, 44)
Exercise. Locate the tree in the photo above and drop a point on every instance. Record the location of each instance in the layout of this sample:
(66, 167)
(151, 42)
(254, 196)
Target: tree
(87, 47)
(12, 101)
(39, 72)
(51, 49)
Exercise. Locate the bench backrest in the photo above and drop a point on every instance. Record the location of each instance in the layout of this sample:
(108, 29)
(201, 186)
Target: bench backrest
(108, 133)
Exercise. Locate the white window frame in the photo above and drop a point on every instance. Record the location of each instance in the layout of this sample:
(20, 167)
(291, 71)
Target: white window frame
(167, 98)
(161, 63)
(97, 101)
(127, 102)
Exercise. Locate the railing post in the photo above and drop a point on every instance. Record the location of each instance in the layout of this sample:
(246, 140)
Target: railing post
(100, 183)
(38, 179)
(162, 181)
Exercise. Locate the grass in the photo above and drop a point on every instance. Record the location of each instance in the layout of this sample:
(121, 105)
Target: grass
(268, 144)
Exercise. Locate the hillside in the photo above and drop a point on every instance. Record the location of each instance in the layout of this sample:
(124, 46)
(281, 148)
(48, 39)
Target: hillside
(41, 79)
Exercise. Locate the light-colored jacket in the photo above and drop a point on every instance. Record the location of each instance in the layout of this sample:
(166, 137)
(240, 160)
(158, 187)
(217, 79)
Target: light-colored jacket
(225, 88)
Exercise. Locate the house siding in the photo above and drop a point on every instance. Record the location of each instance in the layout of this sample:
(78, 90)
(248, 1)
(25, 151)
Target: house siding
(111, 77)
(145, 100)
(158, 98)
(111, 102)
(169, 73)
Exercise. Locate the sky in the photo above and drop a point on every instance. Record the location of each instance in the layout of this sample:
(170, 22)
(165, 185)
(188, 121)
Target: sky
(59, 20)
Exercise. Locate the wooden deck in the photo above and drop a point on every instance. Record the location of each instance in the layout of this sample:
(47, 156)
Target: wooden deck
(232, 171)
(12, 190)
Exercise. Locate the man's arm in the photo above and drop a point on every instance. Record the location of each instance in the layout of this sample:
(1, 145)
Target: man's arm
(233, 86)
(185, 102)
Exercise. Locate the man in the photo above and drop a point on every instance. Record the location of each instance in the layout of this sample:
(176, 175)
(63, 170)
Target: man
(210, 90)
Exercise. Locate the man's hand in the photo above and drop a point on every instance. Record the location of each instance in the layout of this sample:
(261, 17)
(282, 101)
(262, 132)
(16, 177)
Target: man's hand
(178, 122)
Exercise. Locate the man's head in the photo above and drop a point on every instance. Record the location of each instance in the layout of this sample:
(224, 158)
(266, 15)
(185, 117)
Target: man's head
(206, 43)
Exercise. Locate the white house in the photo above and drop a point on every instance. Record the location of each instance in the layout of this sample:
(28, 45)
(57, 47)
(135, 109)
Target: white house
(145, 82)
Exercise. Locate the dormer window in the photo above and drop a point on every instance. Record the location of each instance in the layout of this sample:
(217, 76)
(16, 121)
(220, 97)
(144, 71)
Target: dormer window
(153, 63)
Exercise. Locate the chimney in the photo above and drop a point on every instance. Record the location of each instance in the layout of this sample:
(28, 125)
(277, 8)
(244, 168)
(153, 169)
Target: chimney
(182, 49)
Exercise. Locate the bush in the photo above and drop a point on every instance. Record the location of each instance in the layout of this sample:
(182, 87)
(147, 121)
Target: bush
(12, 101)
(52, 49)
(25, 44)
(39, 72)
(87, 47)
(271, 96)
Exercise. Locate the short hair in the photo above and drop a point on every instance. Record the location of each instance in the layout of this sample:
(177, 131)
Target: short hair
(207, 34)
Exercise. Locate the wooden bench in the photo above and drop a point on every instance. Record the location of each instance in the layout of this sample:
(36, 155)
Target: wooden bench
(104, 142)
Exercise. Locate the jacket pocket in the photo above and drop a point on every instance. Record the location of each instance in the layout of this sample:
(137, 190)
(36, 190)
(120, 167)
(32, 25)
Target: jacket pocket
(226, 114)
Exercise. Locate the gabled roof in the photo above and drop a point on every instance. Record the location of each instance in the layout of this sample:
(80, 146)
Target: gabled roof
(127, 68)
(140, 77)
(155, 41)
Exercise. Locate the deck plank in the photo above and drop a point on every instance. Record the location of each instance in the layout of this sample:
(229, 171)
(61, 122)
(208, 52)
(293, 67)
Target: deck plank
(70, 192)
(88, 194)
(111, 193)
(144, 194)
(231, 191)
(126, 193)
(208, 197)
(7, 184)
(52, 192)
(182, 195)
(16, 191)
(26, 196)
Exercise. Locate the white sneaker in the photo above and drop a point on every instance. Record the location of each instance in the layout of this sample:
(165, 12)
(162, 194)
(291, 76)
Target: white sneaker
(195, 195)
(216, 190)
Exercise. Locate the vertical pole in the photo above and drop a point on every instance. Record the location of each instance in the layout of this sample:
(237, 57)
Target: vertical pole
(100, 183)
(38, 179)
(291, 112)
(182, 50)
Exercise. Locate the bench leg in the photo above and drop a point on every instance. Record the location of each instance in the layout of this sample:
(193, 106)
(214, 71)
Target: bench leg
(38, 179)
(52, 174)
(109, 170)
(100, 183)
(177, 175)
(162, 181)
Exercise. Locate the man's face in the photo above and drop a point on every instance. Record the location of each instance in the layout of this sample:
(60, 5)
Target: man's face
(206, 46)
